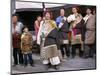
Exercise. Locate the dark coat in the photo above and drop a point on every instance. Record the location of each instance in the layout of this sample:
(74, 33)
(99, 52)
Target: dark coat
(52, 38)
(63, 31)
(81, 29)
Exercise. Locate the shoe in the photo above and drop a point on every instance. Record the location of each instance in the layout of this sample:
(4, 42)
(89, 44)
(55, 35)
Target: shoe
(25, 65)
(14, 65)
(47, 66)
(32, 65)
(85, 57)
(57, 67)
(73, 57)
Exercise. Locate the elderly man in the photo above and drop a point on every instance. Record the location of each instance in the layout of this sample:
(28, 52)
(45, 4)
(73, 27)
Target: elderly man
(63, 26)
(16, 37)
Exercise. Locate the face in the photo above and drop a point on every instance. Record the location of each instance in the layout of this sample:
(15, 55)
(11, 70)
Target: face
(94, 12)
(39, 18)
(62, 12)
(88, 11)
(14, 19)
(25, 29)
(47, 16)
(74, 10)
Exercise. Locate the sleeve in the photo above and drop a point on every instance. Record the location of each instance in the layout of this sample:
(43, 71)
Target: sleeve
(70, 18)
(57, 21)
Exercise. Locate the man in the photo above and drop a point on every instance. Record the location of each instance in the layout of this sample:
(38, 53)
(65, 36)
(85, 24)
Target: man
(89, 39)
(16, 33)
(63, 33)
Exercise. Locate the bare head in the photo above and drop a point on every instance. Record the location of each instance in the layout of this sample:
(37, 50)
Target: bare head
(74, 10)
(39, 18)
(88, 11)
(14, 18)
(48, 15)
(26, 29)
(62, 12)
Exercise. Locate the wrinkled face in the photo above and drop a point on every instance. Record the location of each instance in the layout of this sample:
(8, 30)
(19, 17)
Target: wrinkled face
(74, 10)
(88, 11)
(39, 18)
(47, 16)
(25, 29)
(62, 12)
(14, 19)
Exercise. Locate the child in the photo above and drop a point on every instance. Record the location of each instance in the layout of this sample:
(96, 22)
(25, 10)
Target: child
(26, 46)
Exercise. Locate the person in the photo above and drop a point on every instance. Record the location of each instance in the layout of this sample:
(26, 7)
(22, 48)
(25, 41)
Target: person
(16, 33)
(76, 22)
(89, 39)
(63, 26)
(37, 24)
(48, 39)
(26, 46)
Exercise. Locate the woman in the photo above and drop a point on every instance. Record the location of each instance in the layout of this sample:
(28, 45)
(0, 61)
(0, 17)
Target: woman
(37, 24)
(48, 39)
(26, 46)
(76, 20)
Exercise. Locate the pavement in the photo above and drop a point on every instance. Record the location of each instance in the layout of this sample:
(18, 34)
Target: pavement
(69, 64)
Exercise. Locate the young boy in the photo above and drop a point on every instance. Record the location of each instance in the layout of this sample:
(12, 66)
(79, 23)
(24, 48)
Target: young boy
(26, 46)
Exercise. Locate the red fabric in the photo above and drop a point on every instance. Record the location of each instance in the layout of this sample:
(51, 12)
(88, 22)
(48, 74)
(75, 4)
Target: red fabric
(69, 36)
(37, 28)
(16, 40)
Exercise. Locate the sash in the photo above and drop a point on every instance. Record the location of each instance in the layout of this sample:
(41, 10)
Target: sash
(62, 22)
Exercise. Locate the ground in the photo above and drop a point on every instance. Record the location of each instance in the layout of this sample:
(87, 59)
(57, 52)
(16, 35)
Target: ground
(68, 64)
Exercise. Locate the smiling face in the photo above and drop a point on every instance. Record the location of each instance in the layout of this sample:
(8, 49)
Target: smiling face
(74, 10)
(47, 15)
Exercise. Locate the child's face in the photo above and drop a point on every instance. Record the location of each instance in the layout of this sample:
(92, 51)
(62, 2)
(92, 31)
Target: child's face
(26, 30)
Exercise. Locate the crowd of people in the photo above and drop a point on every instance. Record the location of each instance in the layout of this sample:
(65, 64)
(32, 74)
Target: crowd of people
(56, 38)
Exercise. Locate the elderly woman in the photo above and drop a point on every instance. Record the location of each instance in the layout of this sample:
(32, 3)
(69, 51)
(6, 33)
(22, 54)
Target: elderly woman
(48, 39)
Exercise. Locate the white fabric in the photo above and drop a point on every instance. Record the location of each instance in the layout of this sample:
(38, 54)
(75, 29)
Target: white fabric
(18, 28)
(42, 29)
(61, 23)
(55, 60)
(86, 17)
(65, 42)
(45, 61)
(71, 18)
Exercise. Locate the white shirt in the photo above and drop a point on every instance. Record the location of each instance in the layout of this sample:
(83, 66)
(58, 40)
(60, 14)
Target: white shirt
(71, 18)
(86, 17)
(18, 28)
